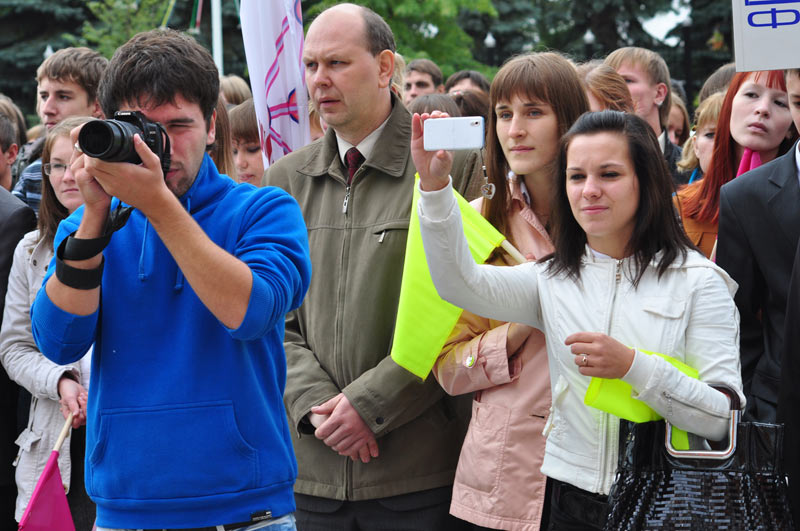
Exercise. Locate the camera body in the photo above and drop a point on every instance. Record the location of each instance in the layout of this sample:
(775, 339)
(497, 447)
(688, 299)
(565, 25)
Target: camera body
(112, 140)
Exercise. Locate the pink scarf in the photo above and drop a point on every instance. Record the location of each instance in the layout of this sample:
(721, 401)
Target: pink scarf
(750, 161)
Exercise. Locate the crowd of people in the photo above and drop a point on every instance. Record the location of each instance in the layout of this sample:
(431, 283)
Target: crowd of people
(219, 332)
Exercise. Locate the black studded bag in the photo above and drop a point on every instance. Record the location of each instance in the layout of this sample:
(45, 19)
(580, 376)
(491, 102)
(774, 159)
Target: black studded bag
(739, 487)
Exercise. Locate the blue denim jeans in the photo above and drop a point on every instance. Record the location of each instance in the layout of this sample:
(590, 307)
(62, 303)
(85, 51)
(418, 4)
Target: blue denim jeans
(284, 523)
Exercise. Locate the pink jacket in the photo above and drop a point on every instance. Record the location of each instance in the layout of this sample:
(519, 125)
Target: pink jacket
(498, 483)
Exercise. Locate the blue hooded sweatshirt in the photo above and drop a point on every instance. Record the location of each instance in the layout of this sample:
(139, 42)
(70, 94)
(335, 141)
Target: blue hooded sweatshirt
(186, 425)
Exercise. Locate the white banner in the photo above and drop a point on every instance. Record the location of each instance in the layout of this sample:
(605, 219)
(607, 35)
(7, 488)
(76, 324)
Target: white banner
(766, 34)
(272, 31)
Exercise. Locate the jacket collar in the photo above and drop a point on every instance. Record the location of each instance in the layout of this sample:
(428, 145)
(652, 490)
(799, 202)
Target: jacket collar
(390, 155)
(783, 202)
(42, 250)
(785, 168)
(693, 259)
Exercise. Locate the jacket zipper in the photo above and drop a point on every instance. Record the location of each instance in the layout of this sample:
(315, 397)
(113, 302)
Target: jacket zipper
(346, 199)
(604, 427)
(339, 369)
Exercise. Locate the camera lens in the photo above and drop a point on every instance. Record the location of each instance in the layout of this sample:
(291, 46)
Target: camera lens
(109, 140)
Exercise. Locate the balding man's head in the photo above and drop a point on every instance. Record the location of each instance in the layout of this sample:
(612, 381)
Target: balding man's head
(376, 32)
(349, 59)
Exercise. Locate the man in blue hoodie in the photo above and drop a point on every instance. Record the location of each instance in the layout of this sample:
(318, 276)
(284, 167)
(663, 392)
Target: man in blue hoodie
(185, 305)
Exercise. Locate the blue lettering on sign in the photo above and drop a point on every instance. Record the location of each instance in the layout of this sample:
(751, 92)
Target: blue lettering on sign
(773, 18)
(769, 2)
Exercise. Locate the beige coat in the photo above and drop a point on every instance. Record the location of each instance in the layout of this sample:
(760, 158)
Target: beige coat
(498, 483)
(30, 369)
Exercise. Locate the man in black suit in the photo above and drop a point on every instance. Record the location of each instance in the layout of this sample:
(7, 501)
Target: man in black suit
(759, 227)
(16, 219)
(789, 397)
(789, 393)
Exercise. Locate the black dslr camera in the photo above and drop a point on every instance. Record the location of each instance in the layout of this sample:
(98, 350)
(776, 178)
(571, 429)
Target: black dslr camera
(112, 140)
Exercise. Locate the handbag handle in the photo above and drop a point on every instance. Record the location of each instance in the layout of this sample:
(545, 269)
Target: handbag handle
(726, 453)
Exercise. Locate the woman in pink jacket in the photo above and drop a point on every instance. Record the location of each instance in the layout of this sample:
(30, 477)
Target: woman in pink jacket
(535, 98)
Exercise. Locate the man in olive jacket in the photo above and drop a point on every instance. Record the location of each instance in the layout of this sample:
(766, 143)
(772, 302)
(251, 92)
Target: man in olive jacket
(374, 443)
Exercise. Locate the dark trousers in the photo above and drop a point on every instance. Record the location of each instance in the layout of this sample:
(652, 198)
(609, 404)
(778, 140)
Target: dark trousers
(574, 509)
(418, 511)
(80, 505)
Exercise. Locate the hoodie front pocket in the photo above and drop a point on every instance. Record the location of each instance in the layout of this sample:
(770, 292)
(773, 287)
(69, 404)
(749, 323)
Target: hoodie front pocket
(171, 452)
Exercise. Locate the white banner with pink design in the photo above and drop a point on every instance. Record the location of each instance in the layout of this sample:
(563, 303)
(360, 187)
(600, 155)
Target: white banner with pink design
(273, 42)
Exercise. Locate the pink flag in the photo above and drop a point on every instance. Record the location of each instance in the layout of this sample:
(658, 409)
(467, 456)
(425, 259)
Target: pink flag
(48, 509)
(273, 42)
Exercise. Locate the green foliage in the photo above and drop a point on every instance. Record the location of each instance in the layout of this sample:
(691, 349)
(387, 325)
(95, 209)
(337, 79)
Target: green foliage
(513, 29)
(116, 21)
(424, 28)
(24, 38)
(710, 41)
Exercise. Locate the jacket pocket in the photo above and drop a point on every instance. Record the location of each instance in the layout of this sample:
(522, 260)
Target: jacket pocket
(481, 463)
(27, 439)
(668, 312)
(171, 452)
(386, 231)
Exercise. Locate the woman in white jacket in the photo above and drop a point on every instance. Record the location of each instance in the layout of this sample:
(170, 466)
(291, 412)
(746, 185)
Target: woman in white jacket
(624, 279)
(56, 390)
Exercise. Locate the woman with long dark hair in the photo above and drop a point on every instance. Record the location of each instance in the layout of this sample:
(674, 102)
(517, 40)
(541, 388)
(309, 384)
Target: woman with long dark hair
(535, 98)
(622, 283)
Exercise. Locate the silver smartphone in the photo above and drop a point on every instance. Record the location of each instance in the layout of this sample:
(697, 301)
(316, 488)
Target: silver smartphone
(465, 132)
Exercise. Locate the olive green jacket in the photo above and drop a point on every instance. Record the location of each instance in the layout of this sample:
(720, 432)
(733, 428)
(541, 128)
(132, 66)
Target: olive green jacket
(340, 338)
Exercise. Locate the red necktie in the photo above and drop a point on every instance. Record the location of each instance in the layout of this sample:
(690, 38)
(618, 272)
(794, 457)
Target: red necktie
(353, 158)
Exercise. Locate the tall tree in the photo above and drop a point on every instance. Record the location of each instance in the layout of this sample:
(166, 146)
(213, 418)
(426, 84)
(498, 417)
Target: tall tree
(23, 41)
(102, 25)
(710, 42)
(115, 21)
(513, 29)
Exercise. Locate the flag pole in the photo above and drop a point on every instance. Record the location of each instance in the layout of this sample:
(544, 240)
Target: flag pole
(63, 434)
(513, 251)
(216, 34)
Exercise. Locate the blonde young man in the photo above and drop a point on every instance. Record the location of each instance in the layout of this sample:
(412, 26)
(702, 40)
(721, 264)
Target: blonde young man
(648, 80)
(67, 84)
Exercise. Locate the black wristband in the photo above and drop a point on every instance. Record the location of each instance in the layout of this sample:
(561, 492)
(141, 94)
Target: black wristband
(82, 248)
(74, 277)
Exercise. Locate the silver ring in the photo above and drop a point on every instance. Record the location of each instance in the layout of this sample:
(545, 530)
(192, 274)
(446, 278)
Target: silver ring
(584, 360)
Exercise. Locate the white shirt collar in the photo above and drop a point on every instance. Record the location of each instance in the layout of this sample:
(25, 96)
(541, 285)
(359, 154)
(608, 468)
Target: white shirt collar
(365, 146)
(662, 140)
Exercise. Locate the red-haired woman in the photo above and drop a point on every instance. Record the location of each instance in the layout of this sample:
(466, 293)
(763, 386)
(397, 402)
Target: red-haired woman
(754, 127)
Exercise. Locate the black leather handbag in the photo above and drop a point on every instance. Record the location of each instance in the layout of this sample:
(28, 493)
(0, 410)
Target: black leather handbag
(739, 487)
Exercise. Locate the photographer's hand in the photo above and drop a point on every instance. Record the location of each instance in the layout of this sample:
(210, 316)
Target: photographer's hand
(93, 222)
(140, 185)
(96, 200)
(433, 166)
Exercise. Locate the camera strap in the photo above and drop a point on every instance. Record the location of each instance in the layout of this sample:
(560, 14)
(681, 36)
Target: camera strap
(73, 248)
